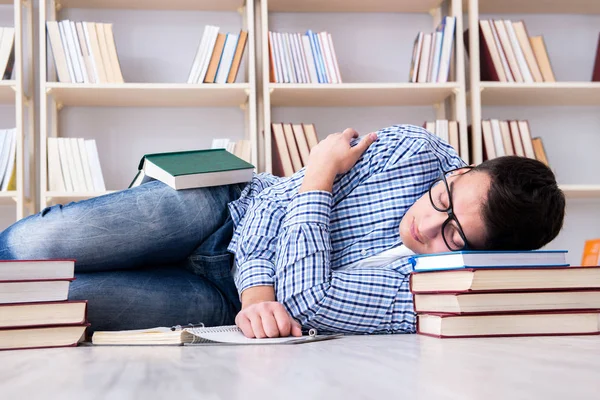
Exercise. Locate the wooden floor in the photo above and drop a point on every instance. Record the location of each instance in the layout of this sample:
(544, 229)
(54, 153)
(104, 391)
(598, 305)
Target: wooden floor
(366, 367)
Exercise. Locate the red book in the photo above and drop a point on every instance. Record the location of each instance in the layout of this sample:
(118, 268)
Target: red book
(41, 337)
(30, 291)
(521, 324)
(20, 315)
(596, 73)
(16, 270)
(523, 279)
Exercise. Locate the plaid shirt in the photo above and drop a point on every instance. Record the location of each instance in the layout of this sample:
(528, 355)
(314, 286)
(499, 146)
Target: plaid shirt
(299, 243)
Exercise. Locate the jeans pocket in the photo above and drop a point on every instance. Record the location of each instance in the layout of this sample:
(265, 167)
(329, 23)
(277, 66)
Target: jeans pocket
(214, 267)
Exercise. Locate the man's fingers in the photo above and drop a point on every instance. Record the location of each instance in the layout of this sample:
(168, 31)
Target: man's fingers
(257, 326)
(296, 329)
(269, 325)
(244, 324)
(365, 142)
(350, 133)
(283, 321)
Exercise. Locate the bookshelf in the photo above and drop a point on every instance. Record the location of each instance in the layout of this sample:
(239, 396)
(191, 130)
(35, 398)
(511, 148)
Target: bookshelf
(55, 96)
(17, 93)
(546, 94)
(447, 99)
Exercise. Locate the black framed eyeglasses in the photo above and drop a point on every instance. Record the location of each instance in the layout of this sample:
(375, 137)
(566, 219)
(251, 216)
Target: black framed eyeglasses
(451, 226)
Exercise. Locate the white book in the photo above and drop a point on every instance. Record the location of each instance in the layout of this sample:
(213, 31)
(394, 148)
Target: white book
(497, 134)
(75, 164)
(290, 59)
(446, 54)
(336, 65)
(56, 182)
(85, 162)
(435, 60)
(227, 57)
(301, 52)
(73, 59)
(79, 52)
(64, 164)
(503, 59)
(72, 51)
(58, 52)
(310, 61)
(285, 78)
(298, 58)
(94, 159)
(441, 129)
(424, 63)
(289, 37)
(210, 45)
(112, 51)
(10, 166)
(65, 43)
(6, 48)
(198, 57)
(87, 54)
(111, 75)
(288, 68)
(4, 143)
(91, 37)
(327, 56)
(523, 67)
(418, 44)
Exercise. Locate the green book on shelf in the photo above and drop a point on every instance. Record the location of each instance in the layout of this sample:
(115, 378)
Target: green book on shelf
(192, 169)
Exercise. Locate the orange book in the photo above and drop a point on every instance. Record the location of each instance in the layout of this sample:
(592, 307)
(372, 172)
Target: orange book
(538, 149)
(215, 58)
(237, 58)
(591, 253)
(541, 55)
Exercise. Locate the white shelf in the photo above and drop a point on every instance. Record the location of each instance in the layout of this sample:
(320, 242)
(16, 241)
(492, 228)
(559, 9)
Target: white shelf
(208, 5)
(359, 94)
(149, 94)
(74, 196)
(540, 94)
(581, 191)
(7, 92)
(539, 6)
(8, 198)
(404, 6)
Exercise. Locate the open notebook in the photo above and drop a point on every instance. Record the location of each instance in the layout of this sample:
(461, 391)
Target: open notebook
(197, 335)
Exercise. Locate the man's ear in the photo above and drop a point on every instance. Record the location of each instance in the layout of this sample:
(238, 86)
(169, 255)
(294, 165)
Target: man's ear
(461, 171)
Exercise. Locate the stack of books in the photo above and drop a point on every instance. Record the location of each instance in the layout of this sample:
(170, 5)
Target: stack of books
(447, 131)
(218, 57)
(8, 157)
(479, 293)
(7, 52)
(298, 58)
(509, 54)
(34, 310)
(74, 165)
(84, 52)
(508, 138)
(432, 53)
(292, 144)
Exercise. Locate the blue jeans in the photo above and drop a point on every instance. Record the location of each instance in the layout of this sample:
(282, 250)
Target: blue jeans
(147, 256)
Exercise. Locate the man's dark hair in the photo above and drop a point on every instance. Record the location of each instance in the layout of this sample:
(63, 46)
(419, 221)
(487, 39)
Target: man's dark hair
(525, 208)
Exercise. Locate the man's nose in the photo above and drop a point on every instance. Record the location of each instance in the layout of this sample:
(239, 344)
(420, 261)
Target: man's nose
(431, 226)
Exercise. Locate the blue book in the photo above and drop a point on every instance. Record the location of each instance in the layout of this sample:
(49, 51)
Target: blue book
(313, 47)
(489, 259)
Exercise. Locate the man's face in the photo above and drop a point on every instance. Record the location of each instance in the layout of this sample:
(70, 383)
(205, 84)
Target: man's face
(421, 226)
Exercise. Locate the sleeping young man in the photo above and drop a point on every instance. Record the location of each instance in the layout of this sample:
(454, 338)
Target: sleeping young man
(326, 248)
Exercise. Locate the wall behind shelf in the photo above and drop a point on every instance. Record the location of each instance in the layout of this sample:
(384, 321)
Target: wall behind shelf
(571, 135)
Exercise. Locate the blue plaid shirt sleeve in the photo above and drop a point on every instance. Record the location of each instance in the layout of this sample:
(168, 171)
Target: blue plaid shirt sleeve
(353, 301)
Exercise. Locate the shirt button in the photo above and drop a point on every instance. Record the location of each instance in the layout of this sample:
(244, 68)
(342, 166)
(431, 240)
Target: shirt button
(363, 252)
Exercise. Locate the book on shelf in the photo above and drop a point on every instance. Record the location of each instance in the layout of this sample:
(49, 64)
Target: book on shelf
(502, 138)
(7, 52)
(240, 148)
(488, 259)
(194, 168)
(447, 131)
(591, 253)
(506, 302)
(74, 165)
(8, 158)
(508, 54)
(218, 57)
(505, 279)
(303, 58)
(291, 147)
(432, 53)
(518, 324)
(596, 70)
(220, 335)
(84, 52)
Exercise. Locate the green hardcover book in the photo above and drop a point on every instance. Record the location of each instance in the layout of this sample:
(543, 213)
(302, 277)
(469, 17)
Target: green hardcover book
(196, 168)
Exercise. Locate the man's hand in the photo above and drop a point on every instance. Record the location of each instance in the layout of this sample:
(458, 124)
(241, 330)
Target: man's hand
(333, 156)
(267, 319)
